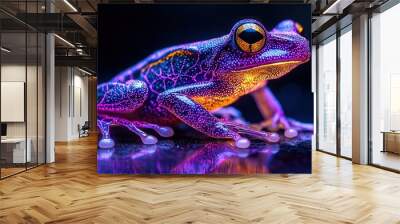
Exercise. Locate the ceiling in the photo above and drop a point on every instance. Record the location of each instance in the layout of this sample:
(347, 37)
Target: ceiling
(75, 22)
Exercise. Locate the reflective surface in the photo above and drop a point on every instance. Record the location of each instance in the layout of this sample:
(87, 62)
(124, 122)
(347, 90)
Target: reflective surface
(197, 156)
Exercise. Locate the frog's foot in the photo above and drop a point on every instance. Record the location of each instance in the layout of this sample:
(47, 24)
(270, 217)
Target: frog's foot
(290, 126)
(134, 127)
(252, 133)
(105, 142)
(163, 131)
(300, 126)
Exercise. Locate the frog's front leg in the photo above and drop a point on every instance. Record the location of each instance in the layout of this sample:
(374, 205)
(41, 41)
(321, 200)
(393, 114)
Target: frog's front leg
(181, 102)
(274, 115)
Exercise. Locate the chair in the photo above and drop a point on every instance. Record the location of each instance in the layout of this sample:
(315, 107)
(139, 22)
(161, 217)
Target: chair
(84, 130)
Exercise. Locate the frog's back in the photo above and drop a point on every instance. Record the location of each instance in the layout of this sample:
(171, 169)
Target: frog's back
(174, 66)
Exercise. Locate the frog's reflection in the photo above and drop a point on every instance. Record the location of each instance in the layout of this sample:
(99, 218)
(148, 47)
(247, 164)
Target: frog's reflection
(198, 157)
(223, 158)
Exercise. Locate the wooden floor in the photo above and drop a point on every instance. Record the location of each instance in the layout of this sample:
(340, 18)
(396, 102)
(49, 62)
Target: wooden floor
(70, 191)
(10, 171)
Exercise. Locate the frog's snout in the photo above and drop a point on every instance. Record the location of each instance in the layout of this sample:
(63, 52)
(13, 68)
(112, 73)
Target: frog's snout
(304, 50)
(291, 30)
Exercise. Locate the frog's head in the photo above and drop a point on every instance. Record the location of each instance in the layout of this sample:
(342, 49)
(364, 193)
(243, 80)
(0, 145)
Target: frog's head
(255, 54)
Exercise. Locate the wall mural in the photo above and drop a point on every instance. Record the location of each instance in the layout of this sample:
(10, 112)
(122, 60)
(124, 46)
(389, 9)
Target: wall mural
(204, 89)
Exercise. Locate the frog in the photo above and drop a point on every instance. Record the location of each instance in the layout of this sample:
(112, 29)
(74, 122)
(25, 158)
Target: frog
(187, 83)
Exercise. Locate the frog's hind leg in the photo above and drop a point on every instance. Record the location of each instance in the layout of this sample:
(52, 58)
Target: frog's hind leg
(118, 97)
(274, 115)
(121, 97)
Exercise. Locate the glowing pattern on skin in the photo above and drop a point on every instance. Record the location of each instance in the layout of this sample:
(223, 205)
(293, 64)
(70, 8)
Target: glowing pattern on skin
(183, 83)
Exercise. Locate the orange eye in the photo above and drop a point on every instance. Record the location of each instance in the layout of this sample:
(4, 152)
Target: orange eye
(299, 27)
(250, 37)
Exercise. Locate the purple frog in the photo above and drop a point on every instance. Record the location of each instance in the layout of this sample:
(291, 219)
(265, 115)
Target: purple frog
(189, 82)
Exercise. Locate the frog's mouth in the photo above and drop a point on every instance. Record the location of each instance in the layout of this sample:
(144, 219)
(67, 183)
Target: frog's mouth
(270, 71)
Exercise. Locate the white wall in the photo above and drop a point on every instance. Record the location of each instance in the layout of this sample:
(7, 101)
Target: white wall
(80, 110)
(33, 126)
(71, 94)
(62, 81)
(12, 73)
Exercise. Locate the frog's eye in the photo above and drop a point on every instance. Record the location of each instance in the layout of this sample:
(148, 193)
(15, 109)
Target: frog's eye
(250, 37)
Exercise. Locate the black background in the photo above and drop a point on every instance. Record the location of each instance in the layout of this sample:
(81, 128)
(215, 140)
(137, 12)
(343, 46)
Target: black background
(129, 33)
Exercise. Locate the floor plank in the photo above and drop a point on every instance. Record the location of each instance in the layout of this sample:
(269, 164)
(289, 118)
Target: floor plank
(70, 191)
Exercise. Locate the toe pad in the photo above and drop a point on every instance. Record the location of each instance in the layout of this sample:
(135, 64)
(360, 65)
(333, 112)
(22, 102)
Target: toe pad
(106, 143)
(166, 131)
(290, 133)
(149, 140)
(242, 143)
(273, 137)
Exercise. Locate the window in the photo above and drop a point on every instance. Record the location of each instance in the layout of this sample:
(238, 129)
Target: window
(345, 43)
(327, 95)
(385, 89)
(22, 77)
